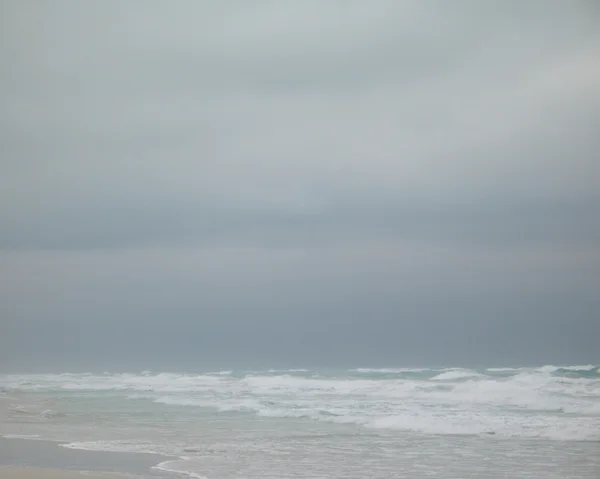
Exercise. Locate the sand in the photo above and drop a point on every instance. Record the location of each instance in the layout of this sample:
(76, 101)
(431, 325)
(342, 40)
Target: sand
(10, 472)
(35, 459)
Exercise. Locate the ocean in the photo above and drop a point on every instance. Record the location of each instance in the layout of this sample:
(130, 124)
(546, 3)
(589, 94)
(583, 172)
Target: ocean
(539, 422)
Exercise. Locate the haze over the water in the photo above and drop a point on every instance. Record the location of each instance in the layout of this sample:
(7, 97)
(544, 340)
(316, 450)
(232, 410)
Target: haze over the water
(197, 185)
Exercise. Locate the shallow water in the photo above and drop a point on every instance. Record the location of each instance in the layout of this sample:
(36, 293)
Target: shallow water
(378, 423)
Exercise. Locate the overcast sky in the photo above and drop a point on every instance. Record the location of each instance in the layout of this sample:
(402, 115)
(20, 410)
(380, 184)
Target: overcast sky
(196, 184)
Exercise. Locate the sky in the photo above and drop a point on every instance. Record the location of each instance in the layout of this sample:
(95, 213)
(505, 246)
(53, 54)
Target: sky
(198, 184)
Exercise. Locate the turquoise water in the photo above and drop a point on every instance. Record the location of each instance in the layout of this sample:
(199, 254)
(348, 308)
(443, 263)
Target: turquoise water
(380, 423)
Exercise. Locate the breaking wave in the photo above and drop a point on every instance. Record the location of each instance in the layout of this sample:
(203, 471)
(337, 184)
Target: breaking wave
(553, 402)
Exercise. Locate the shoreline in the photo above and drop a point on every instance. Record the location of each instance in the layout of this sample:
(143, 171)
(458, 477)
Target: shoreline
(22, 458)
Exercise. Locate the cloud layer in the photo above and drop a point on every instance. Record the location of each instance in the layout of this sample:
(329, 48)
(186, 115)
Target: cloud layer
(342, 172)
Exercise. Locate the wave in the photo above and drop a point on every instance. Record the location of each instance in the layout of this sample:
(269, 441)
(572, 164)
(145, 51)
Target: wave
(173, 382)
(583, 370)
(178, 466)
(388, 370)
(503, 401)
(575, 381)
(219, 405)
(454, 374)
(33, 437)
(447, 421)
(276, 371)
(502, 370)
(132, 446)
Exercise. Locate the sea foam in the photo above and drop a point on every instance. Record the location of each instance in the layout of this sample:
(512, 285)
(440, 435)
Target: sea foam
(563, 402)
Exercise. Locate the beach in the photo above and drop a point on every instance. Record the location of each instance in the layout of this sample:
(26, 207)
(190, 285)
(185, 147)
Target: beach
(11, 472)
(40, 459)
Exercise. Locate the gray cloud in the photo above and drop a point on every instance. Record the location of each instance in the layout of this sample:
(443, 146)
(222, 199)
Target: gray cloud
(342, 172)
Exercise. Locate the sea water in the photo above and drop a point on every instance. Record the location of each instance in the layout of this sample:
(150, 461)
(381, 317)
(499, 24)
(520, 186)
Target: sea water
(360, 423)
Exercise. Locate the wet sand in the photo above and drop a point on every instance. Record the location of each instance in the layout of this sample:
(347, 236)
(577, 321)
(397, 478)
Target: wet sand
(13, 472)
(34, 459)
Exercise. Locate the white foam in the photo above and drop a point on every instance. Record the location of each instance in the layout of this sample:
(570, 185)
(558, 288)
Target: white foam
(387, 370)
(553, 369)
(320, 415)
(177, 467)
(115, 446)
(283, 412)
(454, 374)
(454, 401)
(221, 405)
